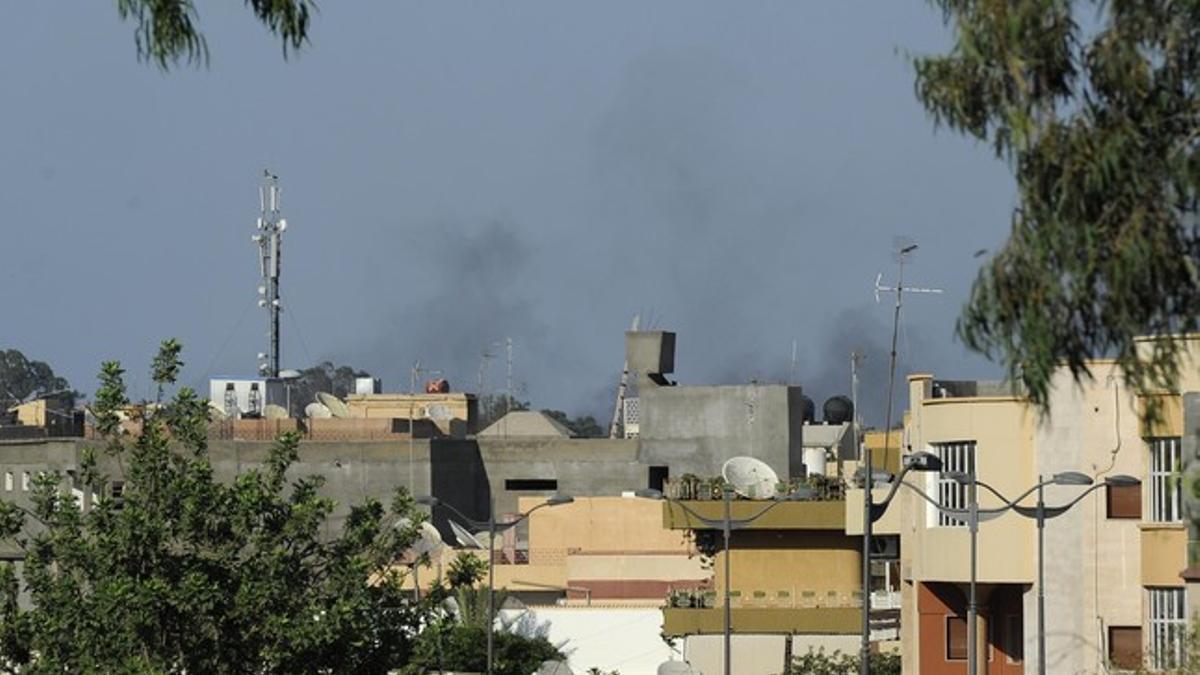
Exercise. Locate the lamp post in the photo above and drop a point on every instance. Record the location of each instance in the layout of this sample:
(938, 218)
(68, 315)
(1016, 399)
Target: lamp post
(493, 527)
(873, 511)
(727, 524)
(1041, 513)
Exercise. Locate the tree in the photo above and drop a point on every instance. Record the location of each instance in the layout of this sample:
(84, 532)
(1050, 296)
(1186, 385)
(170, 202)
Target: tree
(21, 379)
(456, 638)
(584, 426)
(180, 573)
(326, 377)
(836, 663)
(494, 406)
(1101, 127)
(168, 31)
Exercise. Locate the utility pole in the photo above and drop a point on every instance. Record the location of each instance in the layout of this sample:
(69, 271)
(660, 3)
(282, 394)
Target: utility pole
(868, 469)
(508, 386)
(270, 241)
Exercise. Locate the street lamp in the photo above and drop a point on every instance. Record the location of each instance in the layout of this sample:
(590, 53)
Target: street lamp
(1041, 513)
(727, 524)
(917, 461)
(493, 527)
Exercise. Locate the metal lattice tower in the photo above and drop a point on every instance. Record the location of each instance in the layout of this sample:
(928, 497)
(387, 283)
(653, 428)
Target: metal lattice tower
(269, 239)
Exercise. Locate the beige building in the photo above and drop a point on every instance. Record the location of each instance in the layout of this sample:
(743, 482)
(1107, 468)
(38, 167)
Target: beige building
(1114, 595)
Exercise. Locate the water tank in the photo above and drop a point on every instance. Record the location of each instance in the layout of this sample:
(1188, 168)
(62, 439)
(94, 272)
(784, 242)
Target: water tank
(808, 410)
(838, 410)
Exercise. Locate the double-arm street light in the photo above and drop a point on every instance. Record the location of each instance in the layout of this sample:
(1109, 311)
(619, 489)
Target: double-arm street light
(1040, 512)
(917, 461)
(727, 524)
(493, 527)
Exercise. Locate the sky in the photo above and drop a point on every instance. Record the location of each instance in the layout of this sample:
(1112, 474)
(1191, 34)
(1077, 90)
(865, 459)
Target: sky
(458, 173)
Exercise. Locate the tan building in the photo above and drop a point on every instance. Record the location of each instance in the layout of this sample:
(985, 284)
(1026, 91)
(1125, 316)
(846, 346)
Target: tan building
(794, 584)
(1114, 595)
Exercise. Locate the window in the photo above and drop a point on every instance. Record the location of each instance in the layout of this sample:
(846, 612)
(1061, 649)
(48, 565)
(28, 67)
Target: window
(25, 481)
(956, 638)
(1168, 627)
(1165, 502)
(1124, 501)
(8, 481)
(956, 457)
(1125, 646)
(531, 484)
(658, 477)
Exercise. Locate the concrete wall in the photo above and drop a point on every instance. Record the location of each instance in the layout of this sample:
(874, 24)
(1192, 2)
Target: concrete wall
(758, 654)
(624, 639)
(695, 429)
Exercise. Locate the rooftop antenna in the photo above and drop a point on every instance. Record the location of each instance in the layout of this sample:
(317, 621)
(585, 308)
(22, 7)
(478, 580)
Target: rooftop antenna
(617, 427)
(792, 369)
(508, 386)
(269, 239)
(904, 250)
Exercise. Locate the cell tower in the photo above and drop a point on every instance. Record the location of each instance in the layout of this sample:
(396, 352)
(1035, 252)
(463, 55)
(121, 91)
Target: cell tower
(269, 239)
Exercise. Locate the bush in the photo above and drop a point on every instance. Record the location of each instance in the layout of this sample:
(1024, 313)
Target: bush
(837, 663)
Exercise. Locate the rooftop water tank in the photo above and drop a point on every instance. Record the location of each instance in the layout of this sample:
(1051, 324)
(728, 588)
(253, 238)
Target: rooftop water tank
(838, 410)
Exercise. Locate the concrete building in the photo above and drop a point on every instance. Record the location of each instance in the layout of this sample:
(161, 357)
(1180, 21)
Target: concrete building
(1115, 598)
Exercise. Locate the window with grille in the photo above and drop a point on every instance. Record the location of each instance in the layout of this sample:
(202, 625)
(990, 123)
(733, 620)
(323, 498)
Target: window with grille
(956, 457)
(1166, 505)
(1168, 627)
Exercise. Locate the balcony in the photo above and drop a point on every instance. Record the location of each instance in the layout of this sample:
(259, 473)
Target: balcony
(801, 515)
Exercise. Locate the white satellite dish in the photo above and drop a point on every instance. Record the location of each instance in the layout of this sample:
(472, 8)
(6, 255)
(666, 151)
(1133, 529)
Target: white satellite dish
(275, 412)
(428, 538)
(336, 406)
(316, 411)
(439, 412)
(215, 411)
(676, 668)
(464, 537)
(750, 477)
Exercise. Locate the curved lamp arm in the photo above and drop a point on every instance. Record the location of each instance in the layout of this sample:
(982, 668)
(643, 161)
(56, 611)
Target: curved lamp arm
(434, 502)
(1056, 511)
(963, 515)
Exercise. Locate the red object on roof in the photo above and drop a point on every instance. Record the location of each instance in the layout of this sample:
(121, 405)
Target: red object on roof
(438, 386)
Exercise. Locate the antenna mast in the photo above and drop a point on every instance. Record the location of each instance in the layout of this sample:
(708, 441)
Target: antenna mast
(269, 240)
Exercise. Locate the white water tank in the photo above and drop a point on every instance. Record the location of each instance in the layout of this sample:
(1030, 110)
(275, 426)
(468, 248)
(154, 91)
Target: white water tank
(814, 461)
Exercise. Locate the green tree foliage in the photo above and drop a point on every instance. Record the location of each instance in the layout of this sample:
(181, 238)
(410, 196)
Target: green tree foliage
(465, 570)
(22, 379)
(168, 31)
(836, 663)
(1095, 106)
(456, 637)
(326, 377)
(493, 406)
(584, 426)
(184, 574)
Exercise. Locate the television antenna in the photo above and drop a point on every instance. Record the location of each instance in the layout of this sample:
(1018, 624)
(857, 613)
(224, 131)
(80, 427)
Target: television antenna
(269, 239)
(905, 250)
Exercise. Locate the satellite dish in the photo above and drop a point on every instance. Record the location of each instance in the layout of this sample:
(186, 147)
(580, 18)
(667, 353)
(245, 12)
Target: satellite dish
(336, 406)
(428, 538)
(438, 412)
(290, 374)
(676, 668)
(215, 411)
(750, 477)
(316, 411)
(554, 668)
(464, 537)
(275, 412)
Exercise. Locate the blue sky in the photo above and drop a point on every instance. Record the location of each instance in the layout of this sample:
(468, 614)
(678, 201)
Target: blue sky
(456, 173)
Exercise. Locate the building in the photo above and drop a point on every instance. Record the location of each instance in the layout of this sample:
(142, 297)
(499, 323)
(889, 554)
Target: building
(1115, 597)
